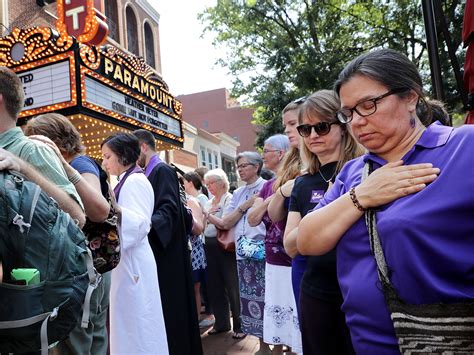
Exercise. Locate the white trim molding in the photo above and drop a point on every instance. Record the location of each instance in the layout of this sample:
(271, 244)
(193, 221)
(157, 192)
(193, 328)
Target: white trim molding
(150, 10)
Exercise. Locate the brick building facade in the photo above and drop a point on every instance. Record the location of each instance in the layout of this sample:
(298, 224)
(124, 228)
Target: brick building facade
(216, 112)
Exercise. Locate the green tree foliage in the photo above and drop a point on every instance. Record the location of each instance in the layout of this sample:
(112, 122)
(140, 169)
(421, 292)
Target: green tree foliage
(280, 50)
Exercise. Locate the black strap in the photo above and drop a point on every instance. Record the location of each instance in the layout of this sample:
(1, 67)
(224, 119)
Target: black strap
(375, 244)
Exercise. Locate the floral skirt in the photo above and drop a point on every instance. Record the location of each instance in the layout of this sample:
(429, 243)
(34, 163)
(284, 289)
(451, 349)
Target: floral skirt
(280, 322)
(252, 295)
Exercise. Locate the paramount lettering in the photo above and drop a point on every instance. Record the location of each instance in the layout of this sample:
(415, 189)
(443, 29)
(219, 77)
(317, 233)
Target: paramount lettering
(137, 83)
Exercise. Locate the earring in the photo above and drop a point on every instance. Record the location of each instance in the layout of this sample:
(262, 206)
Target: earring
(412, 122)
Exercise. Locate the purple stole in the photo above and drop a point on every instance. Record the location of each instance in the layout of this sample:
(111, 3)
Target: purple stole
(154, 161)
(131, 170)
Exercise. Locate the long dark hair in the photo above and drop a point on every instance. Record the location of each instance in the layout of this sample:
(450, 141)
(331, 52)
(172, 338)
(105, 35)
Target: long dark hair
(125, 146)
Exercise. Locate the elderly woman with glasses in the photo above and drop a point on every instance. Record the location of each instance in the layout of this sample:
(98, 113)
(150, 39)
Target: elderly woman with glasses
(327, 146)
(222, 281)
(421, 194)
(249, 245)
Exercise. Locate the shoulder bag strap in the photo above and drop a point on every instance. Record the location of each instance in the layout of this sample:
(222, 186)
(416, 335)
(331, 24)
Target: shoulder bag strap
(375, 245)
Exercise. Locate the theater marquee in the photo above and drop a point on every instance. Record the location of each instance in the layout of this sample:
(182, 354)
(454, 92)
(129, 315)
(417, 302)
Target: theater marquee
(94, 86)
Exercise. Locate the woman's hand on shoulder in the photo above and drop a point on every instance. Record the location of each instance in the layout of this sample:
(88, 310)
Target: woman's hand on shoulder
(248, 203)
(9, 161)
(393, 181)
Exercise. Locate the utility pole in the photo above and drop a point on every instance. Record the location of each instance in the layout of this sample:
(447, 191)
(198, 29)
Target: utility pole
(432, 45)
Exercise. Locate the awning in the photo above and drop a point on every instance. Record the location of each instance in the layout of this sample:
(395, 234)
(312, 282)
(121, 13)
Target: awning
(468, 40)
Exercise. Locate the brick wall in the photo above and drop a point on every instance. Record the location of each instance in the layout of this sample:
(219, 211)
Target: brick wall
(210, 110)
(26, 13)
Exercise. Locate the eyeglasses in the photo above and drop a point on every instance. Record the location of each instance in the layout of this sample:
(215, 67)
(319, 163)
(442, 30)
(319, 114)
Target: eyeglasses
(364, 108)
(321, 128)
(244, 165)
(265, 151)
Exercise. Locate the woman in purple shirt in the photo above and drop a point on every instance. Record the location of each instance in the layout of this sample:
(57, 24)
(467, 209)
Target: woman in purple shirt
(421, 189)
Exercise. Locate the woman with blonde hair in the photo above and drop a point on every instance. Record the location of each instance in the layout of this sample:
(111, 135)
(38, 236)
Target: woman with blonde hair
(328, 145)
(291, 167)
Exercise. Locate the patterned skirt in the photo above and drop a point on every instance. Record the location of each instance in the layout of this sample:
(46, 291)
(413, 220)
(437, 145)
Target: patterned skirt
(252, 295)
(198, 256)
(280, 322)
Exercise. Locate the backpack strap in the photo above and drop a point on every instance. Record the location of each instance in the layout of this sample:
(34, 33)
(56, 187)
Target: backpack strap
(45, 317)
(19, 219)
(94, 280)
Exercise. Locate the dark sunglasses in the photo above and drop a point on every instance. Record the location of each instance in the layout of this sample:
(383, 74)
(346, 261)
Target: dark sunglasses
(321, 128)
(300, 100)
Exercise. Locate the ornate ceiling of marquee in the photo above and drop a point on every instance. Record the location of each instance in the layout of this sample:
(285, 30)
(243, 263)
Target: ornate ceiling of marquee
(94, 131)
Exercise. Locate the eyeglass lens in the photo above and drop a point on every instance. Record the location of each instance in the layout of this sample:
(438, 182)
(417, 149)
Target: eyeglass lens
(243, 165)
(321, 129)
(365, 108)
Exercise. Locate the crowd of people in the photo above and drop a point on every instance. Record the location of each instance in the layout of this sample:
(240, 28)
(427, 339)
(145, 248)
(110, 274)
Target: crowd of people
(368, 201)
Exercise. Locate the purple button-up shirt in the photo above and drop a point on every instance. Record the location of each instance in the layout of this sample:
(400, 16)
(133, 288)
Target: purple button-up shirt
(427, 238)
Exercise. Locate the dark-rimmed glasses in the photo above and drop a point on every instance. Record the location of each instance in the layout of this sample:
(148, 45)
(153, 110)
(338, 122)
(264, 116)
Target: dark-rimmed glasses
(364, 108)
(321, 128)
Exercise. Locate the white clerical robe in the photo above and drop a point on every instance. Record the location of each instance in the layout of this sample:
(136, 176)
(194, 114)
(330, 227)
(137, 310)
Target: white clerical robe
(136, 315)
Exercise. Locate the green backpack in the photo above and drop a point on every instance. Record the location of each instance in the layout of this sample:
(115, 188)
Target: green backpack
(36, 234)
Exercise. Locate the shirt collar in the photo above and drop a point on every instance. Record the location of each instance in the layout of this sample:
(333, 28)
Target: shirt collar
(435, 135)
(10, 136)
(259, 180)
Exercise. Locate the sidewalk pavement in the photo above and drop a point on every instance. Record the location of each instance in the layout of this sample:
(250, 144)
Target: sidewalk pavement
(224, 344)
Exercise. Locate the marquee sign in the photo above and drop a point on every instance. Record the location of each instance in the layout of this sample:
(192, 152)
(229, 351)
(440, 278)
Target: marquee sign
(115, 102)
(122, 86)
(47, 85)
(83, 20)
(99, 86)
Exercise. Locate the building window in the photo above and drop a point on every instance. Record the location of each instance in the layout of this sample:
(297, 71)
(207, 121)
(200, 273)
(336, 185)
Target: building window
(111, 13)
(149, 45)
(132, 31)
(203, 157)
(209, 154)
(216, 163)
